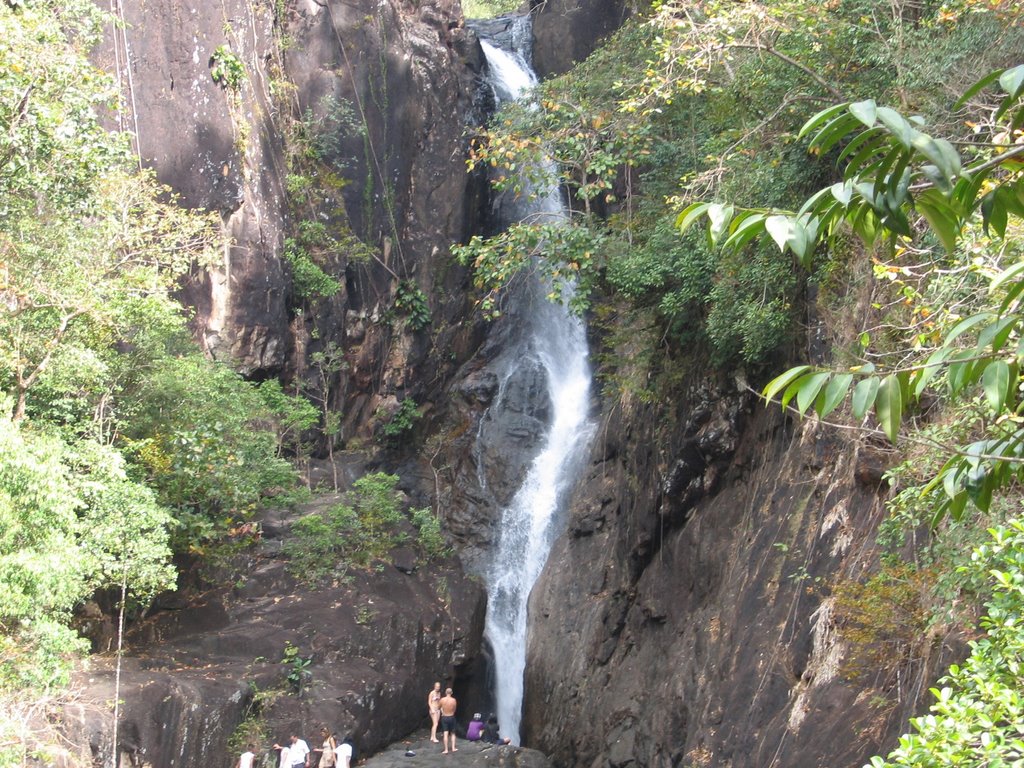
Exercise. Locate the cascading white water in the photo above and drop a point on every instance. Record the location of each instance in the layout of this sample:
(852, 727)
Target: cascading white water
(557, 342)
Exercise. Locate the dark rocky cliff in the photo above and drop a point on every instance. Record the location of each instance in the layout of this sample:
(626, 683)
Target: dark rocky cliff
(567, 31)
(375, 642)
(407, 75)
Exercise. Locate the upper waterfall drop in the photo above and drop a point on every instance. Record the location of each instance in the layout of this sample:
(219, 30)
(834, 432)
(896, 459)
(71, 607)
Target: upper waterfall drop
(555, 342)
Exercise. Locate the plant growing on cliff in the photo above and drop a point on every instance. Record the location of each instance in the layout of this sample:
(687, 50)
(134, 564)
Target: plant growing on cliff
(883, 623)
(297, 667)
(402, 421)
(309, 281)
(226, 69)
(364, 527)
(430, 540)
(411, 302)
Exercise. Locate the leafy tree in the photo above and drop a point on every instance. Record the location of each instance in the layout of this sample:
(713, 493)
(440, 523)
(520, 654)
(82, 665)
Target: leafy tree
(84, 236)
(199, 433)
(978, 715)
(108, 411)
(895, 171)
(40, 567)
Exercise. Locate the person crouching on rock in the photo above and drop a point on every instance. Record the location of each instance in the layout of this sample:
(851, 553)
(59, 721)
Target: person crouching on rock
(491, 734)
(475, 729)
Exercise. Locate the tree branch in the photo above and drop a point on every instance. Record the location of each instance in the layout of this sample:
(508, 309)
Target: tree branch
(793, 62)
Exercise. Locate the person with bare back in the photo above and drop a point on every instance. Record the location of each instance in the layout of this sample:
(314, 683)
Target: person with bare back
(448, 705)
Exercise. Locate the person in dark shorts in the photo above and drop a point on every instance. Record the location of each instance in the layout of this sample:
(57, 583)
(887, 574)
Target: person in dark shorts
(448, 705)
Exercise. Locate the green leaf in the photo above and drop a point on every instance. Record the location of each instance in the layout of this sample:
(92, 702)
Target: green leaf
(801, 241)
(863, 396)
(1012, 81)
(940, 217)
(898, 125)
(1007, 274)
(780, 228)
(932, 367)
(776, 385)
(942, 154)
(690, 214)
(960, 370)
(792, 390)
(889, 407)
(821, 118)
(965, 325)
(750, 227)
(843, 192)
(996, 384)
(995, 335)
(865, 111)
(809, 387)
(993, 214)
(834, 132)
(834, 394)
(987, 80)
(720, 216)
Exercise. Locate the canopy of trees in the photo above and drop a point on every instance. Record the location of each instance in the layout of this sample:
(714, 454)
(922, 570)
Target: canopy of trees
(120, 444)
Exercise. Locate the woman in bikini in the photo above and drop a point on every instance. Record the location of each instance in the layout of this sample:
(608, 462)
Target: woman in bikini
(434, 707)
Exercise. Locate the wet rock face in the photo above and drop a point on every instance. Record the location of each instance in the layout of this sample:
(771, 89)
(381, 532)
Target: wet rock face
(218, 149)
(566, 31)
(685, 617)
(376, 642)
(407, 76)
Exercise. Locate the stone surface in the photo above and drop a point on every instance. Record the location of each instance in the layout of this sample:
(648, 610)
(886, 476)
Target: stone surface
(566, 31)
(469, 754)
(408, 74)
(685, 617)
(376, 641)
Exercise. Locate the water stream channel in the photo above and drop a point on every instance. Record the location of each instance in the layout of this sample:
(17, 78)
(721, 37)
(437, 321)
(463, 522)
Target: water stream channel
(555, 342)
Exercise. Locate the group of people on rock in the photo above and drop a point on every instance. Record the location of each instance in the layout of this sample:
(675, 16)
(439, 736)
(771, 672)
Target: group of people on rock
(335, 754)
(442, 712)
(297, 754)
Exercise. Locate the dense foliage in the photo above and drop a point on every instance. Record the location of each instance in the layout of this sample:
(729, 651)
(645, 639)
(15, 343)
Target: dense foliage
(862, 159)
(119, 442)
(362, 528)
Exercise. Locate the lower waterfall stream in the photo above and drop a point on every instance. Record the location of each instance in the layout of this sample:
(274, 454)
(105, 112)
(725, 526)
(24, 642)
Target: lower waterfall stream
(555, 342)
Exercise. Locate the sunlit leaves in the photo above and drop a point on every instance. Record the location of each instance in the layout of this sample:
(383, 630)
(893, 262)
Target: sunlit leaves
(565, 257)
(893, 169)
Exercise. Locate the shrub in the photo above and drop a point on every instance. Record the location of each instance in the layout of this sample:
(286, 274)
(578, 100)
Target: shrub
(430, 540)
(226, 68)
(364, 527)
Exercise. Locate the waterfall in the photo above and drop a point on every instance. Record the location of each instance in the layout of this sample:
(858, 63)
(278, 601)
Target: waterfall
(556, 342)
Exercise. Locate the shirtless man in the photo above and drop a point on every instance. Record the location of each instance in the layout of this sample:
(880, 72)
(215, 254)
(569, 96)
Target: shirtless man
(448, 704)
